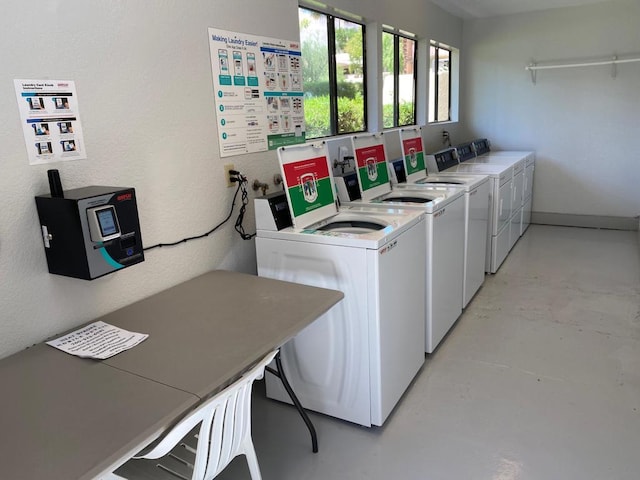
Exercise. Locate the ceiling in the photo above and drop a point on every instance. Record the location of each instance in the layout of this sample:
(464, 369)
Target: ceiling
(468, 9)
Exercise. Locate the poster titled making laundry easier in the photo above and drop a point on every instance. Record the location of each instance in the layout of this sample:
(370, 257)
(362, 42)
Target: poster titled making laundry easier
(258, 90)
(50, 120)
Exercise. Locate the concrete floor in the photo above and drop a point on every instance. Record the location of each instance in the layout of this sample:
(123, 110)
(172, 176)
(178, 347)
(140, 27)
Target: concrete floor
(539, 380)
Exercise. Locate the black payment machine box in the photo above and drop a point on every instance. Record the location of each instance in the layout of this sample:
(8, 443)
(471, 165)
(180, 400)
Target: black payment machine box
(90, 232)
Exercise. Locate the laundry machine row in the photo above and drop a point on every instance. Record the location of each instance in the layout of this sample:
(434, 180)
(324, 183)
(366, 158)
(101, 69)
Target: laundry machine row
(501, 197)
(444, 210)
(521, 160)
(516, 163)
(407, 169)
(355, 361)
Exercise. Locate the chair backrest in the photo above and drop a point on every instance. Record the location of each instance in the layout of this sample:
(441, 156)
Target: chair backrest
(225, 426)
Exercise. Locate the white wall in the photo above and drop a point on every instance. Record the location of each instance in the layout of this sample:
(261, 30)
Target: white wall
(583, 124)
(143, 76)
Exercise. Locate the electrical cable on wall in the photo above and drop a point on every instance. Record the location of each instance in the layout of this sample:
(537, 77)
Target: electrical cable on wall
(245, 200)
(241, 180)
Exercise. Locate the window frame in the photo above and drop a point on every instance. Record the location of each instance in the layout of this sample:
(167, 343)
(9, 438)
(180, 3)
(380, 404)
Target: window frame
(434, 97)
(334, 114)
(396, 77)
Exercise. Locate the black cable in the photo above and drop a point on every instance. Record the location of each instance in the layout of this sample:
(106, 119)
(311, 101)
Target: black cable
(241, 182)
(243, 208)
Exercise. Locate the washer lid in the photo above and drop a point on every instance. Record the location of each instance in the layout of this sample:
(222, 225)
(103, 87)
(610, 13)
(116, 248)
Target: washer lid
(353, 223)
(308, 183)
(465, 181)
(350, 227)
(409, 196)
(431, 181)
(413, 153)
(371, 164)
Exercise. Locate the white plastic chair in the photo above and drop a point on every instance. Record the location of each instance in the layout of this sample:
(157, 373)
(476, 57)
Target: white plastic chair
(202, 444)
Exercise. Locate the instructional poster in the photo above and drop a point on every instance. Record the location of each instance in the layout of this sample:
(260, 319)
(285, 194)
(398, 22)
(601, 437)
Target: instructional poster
(50, 119)
(258, 90)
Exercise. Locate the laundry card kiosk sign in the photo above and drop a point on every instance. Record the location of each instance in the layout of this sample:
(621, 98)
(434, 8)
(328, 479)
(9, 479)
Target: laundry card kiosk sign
(90, 232)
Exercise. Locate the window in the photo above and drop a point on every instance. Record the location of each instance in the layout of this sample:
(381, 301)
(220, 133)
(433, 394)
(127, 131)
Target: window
(399, 80)
(333, 73)
(439, 83)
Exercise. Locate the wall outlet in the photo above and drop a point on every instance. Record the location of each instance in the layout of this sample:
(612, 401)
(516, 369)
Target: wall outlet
(227, 175)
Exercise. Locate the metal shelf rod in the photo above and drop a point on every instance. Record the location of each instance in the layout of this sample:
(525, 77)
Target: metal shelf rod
(586, 64)
(534, 67)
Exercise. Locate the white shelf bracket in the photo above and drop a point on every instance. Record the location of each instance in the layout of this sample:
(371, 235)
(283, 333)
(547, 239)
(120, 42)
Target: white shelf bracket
(614, 66)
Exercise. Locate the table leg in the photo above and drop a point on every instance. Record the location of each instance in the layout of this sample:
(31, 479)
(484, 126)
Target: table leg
(279, 372)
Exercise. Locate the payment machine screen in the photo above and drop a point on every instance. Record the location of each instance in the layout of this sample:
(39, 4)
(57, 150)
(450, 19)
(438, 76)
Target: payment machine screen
(107, 221)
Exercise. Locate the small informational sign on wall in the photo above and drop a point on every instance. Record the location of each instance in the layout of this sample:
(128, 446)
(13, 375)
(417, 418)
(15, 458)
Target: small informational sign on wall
(50, 119)
(258, 91)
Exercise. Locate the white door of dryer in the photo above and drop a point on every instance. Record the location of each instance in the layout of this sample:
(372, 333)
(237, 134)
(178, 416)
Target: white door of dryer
(528, 181)
(499, 248)
(526, 216)
(516, 208)
(501, 204)
(499, 218)
(504, 202)
(445, 228)
(515, 227)
(518, 190)
(327, 364)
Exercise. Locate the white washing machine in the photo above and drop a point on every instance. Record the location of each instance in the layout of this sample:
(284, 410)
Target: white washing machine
(500, 200)
(445, 226)
(407, 169)
(356, 361)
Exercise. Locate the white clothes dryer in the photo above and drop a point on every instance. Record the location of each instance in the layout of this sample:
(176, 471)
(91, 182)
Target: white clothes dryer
(500, 200)
(443, 208)
(522, 180)
(516, 164)
(355, 361)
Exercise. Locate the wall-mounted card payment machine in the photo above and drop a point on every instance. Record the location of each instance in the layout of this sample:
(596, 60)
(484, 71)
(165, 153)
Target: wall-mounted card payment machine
(90, 232)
